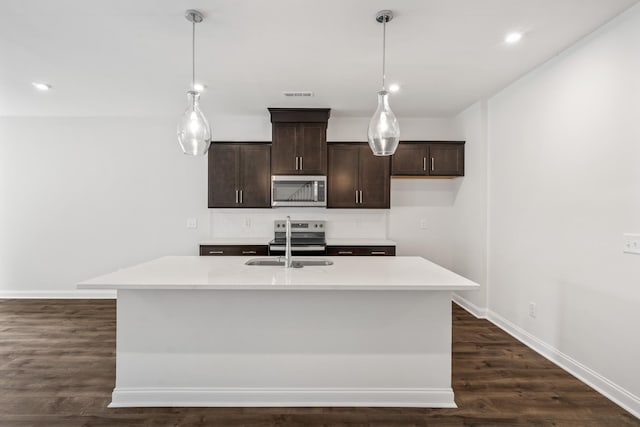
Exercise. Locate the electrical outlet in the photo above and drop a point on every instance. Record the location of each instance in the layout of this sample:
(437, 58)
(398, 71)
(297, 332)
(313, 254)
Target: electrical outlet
(247, 222)
(533, 309)
(631, 243)
(192, 222)
(423, 224)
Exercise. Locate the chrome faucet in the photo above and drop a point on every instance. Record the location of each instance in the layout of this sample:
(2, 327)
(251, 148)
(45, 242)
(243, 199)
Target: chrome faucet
(287, 250)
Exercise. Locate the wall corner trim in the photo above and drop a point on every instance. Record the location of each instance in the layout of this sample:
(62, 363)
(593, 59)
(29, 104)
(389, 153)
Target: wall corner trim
(479, 312)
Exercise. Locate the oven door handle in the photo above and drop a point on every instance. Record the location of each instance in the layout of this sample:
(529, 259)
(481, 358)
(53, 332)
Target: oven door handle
(299, 248)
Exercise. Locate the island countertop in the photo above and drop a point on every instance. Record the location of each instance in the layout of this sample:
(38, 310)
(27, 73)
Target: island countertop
(231, 273)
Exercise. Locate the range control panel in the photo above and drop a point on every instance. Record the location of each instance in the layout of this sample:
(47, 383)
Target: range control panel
(281, 225)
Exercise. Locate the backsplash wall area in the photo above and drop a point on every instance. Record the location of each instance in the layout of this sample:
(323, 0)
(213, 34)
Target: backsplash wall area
(258, 223)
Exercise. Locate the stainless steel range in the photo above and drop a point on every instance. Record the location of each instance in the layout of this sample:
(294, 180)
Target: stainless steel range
(307, 238)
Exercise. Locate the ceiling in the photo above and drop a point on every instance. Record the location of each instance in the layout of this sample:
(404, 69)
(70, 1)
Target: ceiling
(133, 57)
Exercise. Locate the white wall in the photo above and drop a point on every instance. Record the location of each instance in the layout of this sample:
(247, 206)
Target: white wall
(469, 219)
(81, 197)
(564, 146)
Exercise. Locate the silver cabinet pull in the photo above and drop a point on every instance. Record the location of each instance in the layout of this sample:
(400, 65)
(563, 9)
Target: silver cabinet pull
(236, 196)
(378, 253)
(301, 166)
(360, 196)
(248, 252)
(296, 162)
(216, 252)
(356, 197)
(240, 196)
(433, 164)
(424, 163)
(345, 253)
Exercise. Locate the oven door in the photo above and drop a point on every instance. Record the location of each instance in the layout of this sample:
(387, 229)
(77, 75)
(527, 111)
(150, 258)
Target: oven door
(307, 250)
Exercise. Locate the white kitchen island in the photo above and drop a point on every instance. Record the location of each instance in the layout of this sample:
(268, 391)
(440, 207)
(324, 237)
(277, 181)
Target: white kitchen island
(212, 331)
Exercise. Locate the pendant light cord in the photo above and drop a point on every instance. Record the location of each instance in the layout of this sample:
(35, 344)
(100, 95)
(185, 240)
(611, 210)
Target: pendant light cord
(384, 44)
(193, 55)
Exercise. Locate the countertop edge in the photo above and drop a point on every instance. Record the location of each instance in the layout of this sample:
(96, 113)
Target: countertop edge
(281, 287)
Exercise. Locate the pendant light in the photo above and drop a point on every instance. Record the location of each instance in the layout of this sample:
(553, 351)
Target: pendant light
(194, 133)
(384, 131)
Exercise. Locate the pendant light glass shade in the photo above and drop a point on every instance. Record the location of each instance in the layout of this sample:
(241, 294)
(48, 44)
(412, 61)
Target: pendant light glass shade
(194, 133)
(384, 130)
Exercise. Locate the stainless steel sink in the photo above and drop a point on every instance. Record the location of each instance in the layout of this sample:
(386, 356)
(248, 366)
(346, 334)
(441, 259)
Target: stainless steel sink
(315, 261)
(296, 263)
(265, 261)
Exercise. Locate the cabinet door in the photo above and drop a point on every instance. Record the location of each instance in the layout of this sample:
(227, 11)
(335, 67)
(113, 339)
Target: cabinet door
(255, 176)
(223, 175)
(361, 250)
(374, 180)
(410, 159)
(233, 250)
(284, 157)
(446, 159)
(312, 148)
(342, 176)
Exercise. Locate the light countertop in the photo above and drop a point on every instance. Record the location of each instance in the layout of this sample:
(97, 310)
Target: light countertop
(360, 242)
(223, 241)
(230, 273)
(242, 241)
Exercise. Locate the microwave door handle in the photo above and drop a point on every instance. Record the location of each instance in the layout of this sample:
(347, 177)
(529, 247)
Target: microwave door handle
(315, 191)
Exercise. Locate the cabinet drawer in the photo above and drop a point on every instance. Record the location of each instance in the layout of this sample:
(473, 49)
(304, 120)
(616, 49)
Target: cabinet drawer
(233, 250)
(361, 250)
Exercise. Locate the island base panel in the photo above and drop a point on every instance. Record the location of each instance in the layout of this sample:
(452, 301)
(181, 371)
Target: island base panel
(283, 348)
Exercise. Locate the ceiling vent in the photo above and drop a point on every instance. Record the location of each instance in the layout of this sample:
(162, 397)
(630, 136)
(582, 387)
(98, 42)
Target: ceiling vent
(298, 94)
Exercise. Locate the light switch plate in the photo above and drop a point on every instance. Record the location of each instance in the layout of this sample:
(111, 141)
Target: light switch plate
(631, 243)
(192, 222)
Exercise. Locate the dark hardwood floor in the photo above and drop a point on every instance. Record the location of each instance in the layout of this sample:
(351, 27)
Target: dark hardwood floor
(57, 368)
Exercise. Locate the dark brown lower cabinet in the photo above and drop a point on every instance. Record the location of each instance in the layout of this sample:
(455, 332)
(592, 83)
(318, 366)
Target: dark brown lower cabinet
(361, 250)
(356, 178)
(233, 250)
(239, 175)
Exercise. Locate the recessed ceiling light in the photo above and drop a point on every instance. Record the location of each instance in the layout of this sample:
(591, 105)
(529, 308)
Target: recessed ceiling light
(513, 38)
(41, 86)
(394, 87)
(198, 87)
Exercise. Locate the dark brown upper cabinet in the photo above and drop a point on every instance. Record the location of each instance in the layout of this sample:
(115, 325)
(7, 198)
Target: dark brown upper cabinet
(239, 175)
(299, 141)
(356, 178)
(422, 158)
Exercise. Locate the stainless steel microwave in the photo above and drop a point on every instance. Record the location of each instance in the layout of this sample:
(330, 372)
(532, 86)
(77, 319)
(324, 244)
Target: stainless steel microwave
(298, 190)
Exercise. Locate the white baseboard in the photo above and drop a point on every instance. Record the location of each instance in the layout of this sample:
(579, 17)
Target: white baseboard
(77, 294)
(479, 312)
(612, 391)
(282, 397)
